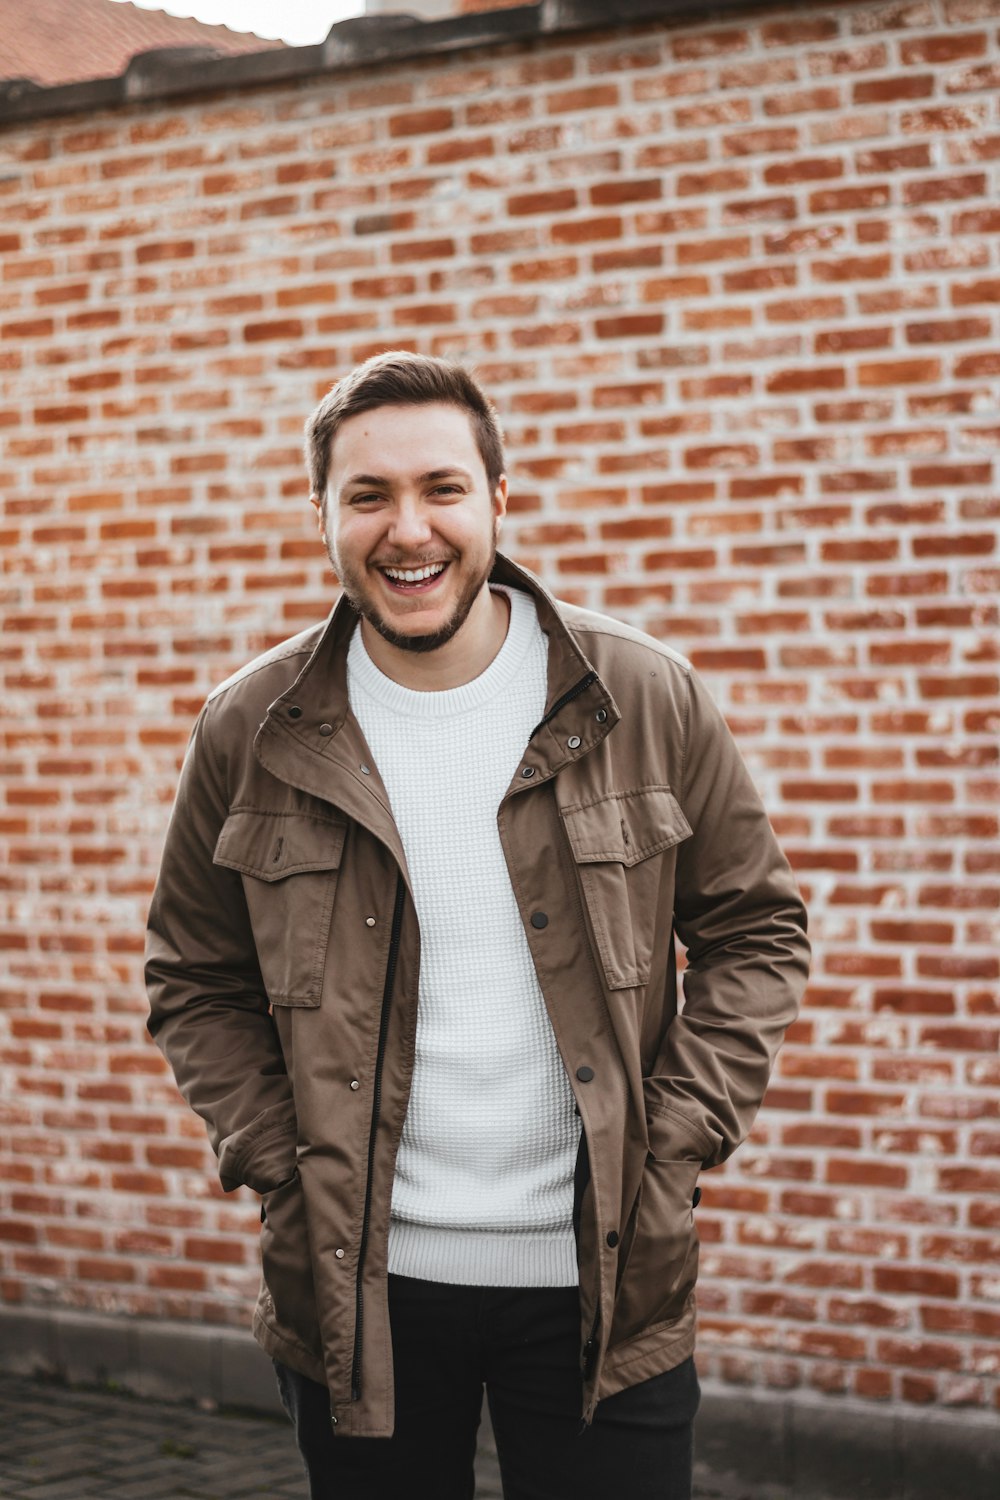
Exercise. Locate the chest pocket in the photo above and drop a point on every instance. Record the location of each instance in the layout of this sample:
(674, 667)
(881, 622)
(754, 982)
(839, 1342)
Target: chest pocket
(617, 843)
(289, 864)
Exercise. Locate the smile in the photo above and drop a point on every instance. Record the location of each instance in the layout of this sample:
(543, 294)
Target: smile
(413, 578)
(414, 575)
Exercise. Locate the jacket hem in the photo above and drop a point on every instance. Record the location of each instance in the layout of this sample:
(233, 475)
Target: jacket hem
(649, 1353)
(287, 1350)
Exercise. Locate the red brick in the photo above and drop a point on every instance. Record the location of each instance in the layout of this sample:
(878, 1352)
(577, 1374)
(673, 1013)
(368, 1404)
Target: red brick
(804, 507)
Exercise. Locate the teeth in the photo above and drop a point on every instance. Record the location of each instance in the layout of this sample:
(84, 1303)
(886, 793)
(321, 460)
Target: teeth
(414, 575)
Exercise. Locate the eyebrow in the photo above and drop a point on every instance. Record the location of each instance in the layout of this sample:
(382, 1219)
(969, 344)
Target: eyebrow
(428, 478)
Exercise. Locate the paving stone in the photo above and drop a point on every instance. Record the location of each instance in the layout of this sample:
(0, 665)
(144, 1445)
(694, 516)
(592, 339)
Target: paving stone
(60, 1443)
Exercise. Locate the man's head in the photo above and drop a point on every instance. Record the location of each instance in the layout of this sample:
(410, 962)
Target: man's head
(398, 378)
(406, 460)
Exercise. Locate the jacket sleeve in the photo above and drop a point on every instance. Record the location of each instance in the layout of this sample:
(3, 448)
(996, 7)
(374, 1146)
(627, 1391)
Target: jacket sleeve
(738, 913)
(209, 1011)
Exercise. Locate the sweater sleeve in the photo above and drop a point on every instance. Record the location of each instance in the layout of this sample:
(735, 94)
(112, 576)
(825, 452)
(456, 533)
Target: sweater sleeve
(742, 921)
(209, 1012)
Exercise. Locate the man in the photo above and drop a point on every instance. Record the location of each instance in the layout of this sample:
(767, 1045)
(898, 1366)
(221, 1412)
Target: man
(411, 956)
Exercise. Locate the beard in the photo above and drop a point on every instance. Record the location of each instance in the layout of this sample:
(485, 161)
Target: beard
(360, 601)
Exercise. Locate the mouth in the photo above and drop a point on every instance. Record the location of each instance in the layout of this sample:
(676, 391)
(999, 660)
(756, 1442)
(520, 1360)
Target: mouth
(419, 580)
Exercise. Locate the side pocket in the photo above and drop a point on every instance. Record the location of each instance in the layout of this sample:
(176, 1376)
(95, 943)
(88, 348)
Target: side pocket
(289, 864)
(662, 1264)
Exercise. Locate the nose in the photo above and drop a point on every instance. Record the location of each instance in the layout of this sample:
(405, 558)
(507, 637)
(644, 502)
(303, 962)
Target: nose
(410, 528)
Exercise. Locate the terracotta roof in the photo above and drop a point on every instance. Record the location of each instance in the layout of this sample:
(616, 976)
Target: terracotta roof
(65, 41)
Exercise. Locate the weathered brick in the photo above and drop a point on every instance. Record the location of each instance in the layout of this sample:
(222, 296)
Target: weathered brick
(697, 270)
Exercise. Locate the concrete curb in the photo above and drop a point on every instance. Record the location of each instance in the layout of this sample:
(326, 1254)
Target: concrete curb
(162, 1361)
(770, 1445)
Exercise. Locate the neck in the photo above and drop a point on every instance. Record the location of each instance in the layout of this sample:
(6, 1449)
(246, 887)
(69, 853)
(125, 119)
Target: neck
(465, 656)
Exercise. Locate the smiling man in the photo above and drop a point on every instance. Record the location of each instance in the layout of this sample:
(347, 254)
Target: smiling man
(414, 547)
(411, 956)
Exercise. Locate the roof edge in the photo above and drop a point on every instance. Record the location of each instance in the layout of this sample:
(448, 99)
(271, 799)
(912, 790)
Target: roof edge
(358, 42)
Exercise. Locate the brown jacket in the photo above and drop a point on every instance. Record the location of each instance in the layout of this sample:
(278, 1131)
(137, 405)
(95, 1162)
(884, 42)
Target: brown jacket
(283, 958)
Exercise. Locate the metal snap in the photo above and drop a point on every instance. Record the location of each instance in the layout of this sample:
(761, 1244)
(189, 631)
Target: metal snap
(339, 1254)
(369, 921)
(294, 712)
(326, 729)
(528, 771)
(366, 770)
(585, 1074)
(355, 1084)
(539, 919)
(574, 741)
(601, 715)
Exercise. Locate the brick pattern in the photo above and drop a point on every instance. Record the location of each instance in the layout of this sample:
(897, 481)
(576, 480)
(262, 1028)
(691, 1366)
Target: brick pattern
(735, 288)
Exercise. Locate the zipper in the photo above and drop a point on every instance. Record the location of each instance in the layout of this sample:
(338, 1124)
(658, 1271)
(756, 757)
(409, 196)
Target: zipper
(574, 692)
(390, 975)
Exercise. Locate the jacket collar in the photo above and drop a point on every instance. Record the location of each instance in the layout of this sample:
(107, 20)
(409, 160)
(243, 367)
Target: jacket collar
(310, 729)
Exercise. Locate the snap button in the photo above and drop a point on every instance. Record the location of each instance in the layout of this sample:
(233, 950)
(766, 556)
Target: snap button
(366, 770)
(574, 742)
(585, 1074)
(528, 771)
(612, 1239)
(601, 715)
(539, 919)
(326, 729)
(697, 1198)
(339, 1254)
(355, 1084)
(294, 712)
(369, 921)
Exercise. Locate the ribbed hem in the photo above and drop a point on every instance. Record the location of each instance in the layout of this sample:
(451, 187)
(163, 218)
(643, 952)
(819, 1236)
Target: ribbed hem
(465, 1257)
(501, 673)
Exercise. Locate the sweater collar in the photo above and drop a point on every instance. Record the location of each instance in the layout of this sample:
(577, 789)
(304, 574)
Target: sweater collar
(311, 724)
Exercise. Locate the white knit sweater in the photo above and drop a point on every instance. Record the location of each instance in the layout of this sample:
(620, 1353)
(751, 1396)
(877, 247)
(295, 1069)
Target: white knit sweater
(483, 1191)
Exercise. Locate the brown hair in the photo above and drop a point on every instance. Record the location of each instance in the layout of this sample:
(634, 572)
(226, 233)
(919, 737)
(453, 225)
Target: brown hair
(399, 378)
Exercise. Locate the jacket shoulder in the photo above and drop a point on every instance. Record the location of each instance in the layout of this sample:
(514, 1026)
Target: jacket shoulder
(265, 677)
(612, 644)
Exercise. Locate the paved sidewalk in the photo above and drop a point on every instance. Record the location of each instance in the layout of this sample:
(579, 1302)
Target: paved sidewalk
(58, 1443)
(64, 1443)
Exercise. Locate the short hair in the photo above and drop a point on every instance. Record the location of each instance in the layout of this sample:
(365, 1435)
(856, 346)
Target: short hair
(399, 378)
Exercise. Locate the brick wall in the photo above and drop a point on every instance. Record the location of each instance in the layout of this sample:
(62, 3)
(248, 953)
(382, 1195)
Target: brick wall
(735, 288)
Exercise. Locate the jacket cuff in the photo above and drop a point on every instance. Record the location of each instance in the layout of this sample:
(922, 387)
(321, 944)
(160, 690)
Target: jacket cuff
(261, 1156)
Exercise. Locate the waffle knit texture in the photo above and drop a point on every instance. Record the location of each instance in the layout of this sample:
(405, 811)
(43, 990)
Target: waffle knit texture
(483, 1191)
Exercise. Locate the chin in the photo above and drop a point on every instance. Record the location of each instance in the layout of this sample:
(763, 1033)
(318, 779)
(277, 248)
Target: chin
(414, 642)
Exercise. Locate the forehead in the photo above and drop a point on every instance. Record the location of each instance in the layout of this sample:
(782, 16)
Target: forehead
(401, 441)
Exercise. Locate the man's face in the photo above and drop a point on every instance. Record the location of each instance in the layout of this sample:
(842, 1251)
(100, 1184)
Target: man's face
(407, 494)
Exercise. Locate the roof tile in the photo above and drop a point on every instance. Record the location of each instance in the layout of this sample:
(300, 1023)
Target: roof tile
(67, 41)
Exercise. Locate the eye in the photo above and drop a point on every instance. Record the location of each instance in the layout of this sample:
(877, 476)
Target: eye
(365, 499)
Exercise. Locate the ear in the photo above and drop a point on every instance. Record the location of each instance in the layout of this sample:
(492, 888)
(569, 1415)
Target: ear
(499, 503)
(317, 505)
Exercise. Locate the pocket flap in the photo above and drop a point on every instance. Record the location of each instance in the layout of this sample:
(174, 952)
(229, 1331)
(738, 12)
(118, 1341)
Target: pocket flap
(626, 826)
(270, 846)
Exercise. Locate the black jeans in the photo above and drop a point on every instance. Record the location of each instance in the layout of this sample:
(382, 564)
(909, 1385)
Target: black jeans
(523, 1345)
